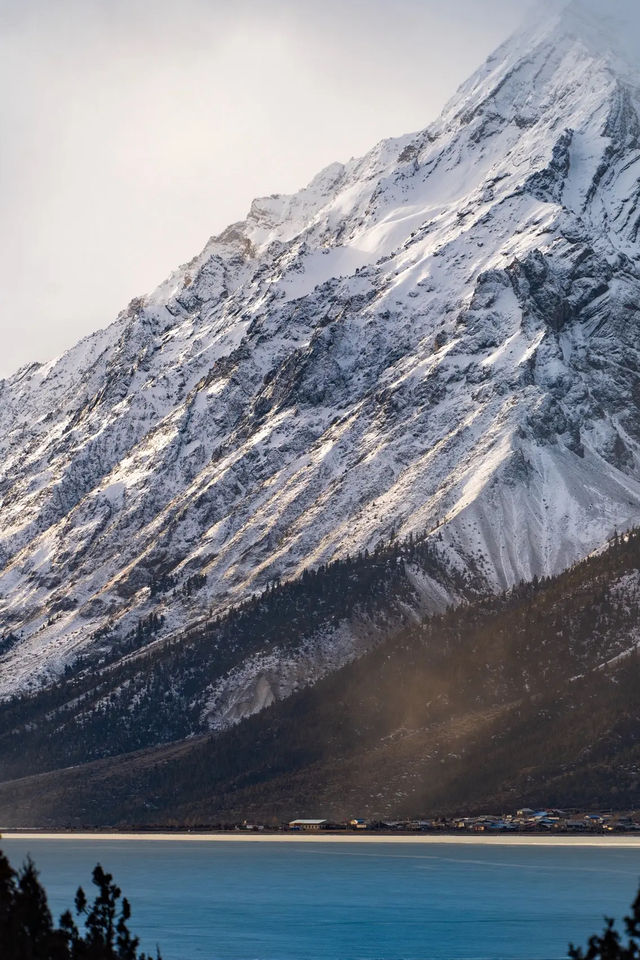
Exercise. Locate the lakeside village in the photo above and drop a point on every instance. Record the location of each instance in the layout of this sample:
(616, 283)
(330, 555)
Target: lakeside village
(525, 820)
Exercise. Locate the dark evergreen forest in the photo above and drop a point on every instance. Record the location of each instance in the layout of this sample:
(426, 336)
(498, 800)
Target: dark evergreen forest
(529, 697)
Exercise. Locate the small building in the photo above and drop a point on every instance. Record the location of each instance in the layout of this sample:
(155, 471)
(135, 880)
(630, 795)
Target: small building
(549, 823)
(307, 825)
(358, 824)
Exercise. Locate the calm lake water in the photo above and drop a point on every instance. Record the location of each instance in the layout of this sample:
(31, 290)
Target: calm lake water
(348, 901)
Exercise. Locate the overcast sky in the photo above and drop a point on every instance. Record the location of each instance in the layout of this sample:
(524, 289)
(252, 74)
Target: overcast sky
(132, 130)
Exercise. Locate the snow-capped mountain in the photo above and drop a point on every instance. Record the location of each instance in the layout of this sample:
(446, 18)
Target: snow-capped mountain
(440, 339)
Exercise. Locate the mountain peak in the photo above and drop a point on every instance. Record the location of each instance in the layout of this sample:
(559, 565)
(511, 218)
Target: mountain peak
(609, 29)
(617, 13)
(567, 58)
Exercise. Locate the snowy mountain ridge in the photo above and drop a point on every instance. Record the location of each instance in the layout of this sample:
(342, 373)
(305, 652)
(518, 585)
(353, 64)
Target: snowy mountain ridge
(437, 339)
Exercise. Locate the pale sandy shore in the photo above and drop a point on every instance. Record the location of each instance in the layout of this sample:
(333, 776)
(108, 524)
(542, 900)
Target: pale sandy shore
(501, 840)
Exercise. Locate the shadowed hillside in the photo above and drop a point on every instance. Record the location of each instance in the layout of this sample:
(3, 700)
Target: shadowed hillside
(530, 696)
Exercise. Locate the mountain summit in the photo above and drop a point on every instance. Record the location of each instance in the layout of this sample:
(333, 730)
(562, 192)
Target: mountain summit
(612, 28)
(440, 339)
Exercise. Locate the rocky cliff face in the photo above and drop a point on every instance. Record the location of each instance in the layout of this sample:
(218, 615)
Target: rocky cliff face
(439, 339)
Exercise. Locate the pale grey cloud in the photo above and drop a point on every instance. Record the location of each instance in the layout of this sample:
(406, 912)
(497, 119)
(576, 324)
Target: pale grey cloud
(133, 130)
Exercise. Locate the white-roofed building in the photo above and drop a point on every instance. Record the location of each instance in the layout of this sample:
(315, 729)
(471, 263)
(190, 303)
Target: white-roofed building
(307, 824)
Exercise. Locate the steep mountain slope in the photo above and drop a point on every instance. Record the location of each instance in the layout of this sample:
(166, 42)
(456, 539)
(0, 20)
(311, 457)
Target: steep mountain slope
(441, 337)
(145, 691)
(528, 698)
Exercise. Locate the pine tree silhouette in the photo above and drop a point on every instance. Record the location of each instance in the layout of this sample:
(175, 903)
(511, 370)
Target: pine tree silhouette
(609, 945)
(26, 925)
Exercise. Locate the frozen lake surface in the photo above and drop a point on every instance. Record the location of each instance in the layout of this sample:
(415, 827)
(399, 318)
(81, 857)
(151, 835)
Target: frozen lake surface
(348, 901)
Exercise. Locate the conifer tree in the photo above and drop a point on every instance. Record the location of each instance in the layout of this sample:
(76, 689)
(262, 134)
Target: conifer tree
(609, 945)
(26, 925)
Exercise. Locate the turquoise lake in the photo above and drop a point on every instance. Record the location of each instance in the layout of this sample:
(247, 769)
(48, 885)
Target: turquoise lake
(348, 901)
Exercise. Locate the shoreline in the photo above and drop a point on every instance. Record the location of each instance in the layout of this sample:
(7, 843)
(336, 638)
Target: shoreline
(500, 840)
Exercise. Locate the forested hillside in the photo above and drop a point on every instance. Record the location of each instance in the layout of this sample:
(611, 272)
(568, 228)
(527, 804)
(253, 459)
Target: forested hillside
(142, 692)
(526, 697)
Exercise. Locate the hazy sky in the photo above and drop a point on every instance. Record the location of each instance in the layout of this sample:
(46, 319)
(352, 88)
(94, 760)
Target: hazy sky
(132, 130)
